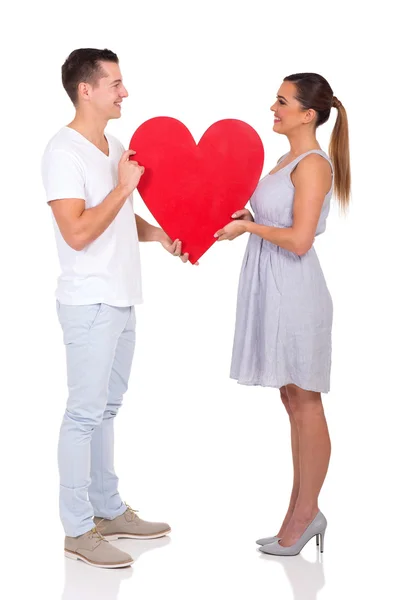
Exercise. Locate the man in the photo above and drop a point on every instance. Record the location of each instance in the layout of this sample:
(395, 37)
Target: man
(89, 179)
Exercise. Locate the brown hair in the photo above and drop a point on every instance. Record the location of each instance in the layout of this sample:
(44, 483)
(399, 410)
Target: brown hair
(84, 65)
(313, 91)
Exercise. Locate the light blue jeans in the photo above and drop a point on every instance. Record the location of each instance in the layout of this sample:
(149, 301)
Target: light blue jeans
(100, 342)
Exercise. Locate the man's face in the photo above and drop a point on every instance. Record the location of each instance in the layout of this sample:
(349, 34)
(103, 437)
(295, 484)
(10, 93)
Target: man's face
(105, 97)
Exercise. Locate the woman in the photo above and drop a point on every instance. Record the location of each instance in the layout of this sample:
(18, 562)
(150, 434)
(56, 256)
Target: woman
(284, 310)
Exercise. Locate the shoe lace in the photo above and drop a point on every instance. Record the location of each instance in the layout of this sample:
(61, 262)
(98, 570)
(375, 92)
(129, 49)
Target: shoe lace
(95, 533)
(132, 510)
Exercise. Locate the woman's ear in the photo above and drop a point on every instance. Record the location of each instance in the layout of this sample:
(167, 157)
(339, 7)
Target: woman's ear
(309, 115)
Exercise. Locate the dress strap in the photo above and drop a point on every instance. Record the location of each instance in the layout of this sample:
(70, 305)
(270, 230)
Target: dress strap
(294, 164)
(282, 157)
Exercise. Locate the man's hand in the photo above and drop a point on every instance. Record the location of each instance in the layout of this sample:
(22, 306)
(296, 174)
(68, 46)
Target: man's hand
(129, 172)
(174, 248)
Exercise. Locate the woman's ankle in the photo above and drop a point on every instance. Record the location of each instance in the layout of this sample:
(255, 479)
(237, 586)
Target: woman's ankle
(286, 521)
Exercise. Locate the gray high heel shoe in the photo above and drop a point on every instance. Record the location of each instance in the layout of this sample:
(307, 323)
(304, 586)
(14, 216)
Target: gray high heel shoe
(269, 540)
(316, 529)
(274, 538)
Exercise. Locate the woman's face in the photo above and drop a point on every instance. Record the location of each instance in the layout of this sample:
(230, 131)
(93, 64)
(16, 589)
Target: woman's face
(288, 112)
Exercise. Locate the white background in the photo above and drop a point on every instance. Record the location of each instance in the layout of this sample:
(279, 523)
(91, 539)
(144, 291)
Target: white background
(193, 447)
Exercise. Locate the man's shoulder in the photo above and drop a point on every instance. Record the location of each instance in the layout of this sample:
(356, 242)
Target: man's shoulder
(62, 152)
(61, 141)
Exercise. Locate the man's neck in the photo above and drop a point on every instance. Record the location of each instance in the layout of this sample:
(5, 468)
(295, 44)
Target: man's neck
(91, 129)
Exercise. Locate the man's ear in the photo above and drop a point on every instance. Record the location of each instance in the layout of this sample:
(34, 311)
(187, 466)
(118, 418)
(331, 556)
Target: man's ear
(83, 90)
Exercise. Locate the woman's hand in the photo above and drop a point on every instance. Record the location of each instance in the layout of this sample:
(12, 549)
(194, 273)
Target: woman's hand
(231, 231)
(235, 228)
(243, 215)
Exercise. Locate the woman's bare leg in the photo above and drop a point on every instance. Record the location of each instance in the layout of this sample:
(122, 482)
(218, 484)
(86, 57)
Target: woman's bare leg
(296, 461)
(314, 449)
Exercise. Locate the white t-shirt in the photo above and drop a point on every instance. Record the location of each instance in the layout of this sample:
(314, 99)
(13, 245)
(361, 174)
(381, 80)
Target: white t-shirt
(108, 269)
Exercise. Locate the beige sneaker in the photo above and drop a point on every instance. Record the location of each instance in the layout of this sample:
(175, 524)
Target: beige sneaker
(93, 549)
(129, 525)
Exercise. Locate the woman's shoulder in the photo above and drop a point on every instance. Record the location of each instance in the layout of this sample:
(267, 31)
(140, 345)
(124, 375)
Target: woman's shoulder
(315, 165)
(314, 159)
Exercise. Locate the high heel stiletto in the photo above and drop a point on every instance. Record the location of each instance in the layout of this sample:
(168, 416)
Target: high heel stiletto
(320, 541)
(316, 528)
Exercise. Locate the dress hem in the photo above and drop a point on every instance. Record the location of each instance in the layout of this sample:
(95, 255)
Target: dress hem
(276, 386)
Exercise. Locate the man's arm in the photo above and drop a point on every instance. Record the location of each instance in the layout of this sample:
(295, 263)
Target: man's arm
(79, 226)
(149, 233)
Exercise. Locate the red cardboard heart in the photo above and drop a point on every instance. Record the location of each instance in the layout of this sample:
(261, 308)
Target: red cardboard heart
(193, 190)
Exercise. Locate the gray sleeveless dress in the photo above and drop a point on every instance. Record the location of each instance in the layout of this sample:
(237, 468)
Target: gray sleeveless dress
(284, 308)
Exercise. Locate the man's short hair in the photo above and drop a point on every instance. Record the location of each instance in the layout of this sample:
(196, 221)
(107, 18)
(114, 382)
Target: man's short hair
(83, 65)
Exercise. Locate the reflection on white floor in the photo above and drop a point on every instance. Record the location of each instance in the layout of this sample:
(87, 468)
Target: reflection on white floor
(104, 583)
(95, 583)
(218, 567)
(306, 577)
